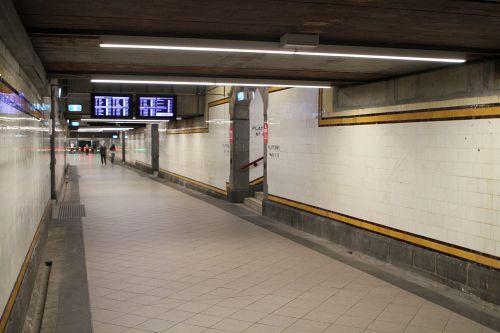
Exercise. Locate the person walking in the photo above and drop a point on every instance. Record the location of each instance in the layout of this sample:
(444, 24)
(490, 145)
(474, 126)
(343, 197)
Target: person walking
(103, 150)
(113, 152)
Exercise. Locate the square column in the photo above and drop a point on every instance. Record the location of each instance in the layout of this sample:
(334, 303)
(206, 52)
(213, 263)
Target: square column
(239, 148)
(155, 148)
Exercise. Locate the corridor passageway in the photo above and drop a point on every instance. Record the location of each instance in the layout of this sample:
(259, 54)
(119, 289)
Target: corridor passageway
(279, 166)
(160, 260)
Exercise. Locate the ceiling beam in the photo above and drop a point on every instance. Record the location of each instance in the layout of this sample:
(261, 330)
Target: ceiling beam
(92, 34)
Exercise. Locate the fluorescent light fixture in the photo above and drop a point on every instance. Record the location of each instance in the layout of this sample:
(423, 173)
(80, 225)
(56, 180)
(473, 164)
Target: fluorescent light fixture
(271, 85)
(192, 83)
(381, 57)
(178, 118)
(277, 51)
(193, 48)
(214, 83)
(123, 121)
(104, 129)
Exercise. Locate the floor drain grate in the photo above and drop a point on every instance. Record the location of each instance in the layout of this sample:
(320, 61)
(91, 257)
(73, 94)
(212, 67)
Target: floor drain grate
(71, 211)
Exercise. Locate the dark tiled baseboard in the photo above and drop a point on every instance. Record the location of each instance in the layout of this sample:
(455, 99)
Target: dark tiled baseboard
(21, 304)
(141, 166)
(460, 274)
(184, 183)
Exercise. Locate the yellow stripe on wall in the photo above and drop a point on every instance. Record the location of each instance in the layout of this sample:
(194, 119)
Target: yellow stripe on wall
(409, 238)
(219, 102)
(195, 182)
(188, 130)
(203, 129)
(257, 181)
(412, 116)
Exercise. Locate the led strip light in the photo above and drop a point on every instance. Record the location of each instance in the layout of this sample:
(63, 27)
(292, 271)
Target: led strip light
(279, 52)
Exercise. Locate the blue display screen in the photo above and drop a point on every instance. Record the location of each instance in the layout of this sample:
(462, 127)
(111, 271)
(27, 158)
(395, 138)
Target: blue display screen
(160, 107)
(75, 123)
(111, 106)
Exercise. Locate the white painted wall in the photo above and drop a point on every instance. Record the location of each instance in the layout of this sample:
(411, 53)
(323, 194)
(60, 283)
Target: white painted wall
(256, 138)
(201, 156)
(436, 179)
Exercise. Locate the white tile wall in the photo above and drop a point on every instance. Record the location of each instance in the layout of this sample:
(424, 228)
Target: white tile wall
(256, 138)
(25, 188)
(200, 156)
(138, 145)
(436, 179)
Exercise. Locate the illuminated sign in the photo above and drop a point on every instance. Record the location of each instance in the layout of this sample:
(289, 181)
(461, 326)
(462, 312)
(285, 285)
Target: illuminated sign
(75, 123)
(157, 107)
(74, 108)
(115, 136)
(111, 106)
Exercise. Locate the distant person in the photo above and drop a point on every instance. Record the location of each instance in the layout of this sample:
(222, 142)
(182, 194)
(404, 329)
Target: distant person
(103, 154)
(87, 148)
(113, 152)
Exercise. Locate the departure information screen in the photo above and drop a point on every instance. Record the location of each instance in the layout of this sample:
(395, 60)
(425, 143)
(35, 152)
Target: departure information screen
(158, 107)
(107, 106)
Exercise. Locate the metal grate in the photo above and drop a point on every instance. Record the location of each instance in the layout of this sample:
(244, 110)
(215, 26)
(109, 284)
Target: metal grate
(71, 211)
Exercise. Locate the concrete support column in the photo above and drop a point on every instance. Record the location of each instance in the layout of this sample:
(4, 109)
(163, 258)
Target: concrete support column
(155, 148)
(123, 146)
(264, 92)
(52, 130)
(239, 148)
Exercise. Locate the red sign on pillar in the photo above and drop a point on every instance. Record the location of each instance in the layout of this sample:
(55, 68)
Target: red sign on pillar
(266, 133)
(230, 134)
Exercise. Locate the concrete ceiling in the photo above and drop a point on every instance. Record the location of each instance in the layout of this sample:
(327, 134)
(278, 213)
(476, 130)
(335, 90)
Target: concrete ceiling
(66, 34)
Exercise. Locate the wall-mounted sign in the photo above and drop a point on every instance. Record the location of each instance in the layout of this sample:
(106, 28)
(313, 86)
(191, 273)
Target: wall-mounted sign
(74, 108)
(75, 123)
(111, 106)
(266, 133)
(157, 107)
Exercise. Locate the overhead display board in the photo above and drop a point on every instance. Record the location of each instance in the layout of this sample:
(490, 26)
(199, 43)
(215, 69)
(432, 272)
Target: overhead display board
(111, 106)
(157, 107)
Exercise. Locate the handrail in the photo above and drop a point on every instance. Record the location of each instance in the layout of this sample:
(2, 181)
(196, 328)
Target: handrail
(254, 163)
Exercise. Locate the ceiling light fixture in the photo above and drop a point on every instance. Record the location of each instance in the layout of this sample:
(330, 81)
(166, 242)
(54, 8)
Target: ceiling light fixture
(119, 121)
(104, 129)
(192, 83)
(279, 52)
(213, 83)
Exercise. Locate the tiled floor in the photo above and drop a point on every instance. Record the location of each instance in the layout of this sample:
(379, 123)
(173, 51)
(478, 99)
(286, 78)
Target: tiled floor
(162, 261)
